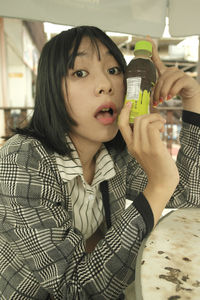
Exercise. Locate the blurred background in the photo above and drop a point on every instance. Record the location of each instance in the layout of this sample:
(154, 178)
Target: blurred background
(21, 42)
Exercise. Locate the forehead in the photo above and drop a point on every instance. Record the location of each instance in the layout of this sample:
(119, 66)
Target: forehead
(89, 48)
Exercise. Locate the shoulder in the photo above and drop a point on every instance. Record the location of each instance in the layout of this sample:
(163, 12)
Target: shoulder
(25, 151)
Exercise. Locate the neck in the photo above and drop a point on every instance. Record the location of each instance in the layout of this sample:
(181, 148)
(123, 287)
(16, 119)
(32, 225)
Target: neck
(87, 152)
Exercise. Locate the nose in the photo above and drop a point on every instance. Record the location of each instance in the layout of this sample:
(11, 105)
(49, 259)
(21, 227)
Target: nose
(104, 85)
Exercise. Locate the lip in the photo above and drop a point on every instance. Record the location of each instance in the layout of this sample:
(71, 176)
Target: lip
(106, 105)
(109, 120)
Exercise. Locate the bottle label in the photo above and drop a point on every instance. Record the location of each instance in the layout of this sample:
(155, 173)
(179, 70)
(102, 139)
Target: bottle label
(140, 99)
(133, 88)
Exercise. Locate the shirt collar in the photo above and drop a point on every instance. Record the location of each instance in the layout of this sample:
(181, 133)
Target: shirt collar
(71, 168)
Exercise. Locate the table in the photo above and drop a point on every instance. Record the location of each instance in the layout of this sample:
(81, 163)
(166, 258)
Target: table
(168, 263)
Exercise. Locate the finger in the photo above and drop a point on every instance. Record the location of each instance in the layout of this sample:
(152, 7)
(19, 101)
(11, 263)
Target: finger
(149, 118)
(180, 85)
(156, 58)
(153, 103)
(123, 123)
(151, 142)
(142, 126)
(155, 128)
(141, 141)
(164, 88)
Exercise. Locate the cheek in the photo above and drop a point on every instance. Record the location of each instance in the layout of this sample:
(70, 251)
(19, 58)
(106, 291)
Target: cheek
(73, 106)
(72, 99)
(121, 84)
(121, 90)
(77, 106)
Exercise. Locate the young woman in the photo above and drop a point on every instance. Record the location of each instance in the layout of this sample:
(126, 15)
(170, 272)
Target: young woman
(64, 179)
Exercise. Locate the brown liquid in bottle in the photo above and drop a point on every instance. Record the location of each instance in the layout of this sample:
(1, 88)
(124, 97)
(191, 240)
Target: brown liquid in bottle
(140, 76)
(143, 68)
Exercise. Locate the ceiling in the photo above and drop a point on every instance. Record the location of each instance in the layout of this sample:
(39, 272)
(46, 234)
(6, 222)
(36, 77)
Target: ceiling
(136, 17)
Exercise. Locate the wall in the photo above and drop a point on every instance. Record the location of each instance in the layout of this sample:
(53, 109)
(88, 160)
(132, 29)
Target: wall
(20, 70)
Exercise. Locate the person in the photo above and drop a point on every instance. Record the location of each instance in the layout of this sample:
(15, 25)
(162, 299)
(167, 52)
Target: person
(64, 179)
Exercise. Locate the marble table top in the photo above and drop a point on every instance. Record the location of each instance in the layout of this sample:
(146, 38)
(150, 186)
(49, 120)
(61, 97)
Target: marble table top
(168, 263)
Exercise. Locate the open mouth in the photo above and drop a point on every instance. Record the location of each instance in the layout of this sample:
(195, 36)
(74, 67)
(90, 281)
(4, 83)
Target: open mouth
(107, 110)
(106, 114)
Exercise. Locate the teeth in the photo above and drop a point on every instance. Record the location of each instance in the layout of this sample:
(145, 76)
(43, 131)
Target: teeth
(105, 109)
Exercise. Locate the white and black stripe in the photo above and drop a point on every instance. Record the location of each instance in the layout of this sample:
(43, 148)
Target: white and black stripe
(87, 205)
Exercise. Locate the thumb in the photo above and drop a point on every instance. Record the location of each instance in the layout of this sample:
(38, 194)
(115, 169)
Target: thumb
(155, 57)
(123, 123)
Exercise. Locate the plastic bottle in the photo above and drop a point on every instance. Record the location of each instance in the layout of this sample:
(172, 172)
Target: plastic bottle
(140, 77)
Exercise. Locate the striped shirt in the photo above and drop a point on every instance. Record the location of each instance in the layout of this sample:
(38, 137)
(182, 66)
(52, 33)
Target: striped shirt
(86, 200)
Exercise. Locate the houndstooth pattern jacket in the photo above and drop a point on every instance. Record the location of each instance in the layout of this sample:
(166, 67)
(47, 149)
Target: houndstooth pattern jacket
(42, 254)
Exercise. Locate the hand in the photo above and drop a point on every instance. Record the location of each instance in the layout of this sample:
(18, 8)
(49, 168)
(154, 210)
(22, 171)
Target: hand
(145, 144)
(173, 81)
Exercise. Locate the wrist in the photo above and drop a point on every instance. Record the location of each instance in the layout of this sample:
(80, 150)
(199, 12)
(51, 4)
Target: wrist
(158, 197)
(193, 104)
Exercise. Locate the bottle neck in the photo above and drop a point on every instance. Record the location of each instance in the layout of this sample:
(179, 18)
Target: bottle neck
(142, 54)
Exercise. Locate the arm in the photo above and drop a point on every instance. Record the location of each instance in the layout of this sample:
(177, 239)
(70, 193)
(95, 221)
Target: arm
(145, 145)
(173, 81)
(187, 193)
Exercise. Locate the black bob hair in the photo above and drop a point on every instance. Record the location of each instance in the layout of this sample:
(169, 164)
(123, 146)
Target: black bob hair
(50, 121)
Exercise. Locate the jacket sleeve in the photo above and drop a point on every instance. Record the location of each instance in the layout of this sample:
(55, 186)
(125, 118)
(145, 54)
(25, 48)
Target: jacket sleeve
(187, 193)
(36, 224)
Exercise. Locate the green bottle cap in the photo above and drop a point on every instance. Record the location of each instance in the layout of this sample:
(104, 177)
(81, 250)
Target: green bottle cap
(143, 45)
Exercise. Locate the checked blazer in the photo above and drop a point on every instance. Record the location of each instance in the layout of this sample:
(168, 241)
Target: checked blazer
(42, 254)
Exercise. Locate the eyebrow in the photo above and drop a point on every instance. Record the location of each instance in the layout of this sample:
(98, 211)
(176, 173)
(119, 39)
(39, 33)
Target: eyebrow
(84, 53)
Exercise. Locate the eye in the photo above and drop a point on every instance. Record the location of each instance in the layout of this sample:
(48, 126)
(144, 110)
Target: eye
(114, 71)
(80, 73)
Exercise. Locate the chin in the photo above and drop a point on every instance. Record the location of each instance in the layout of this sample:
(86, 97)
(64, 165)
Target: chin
(110, 136)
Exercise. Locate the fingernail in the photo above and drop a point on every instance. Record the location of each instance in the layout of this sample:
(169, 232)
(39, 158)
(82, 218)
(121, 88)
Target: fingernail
(169, 97)
(129, 104)
(161, 99)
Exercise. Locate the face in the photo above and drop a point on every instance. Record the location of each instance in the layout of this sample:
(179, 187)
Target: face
(95, 93)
